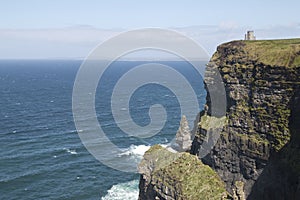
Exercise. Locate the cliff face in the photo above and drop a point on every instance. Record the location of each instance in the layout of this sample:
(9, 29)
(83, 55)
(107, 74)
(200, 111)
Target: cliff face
(257, 155)
(259, 145)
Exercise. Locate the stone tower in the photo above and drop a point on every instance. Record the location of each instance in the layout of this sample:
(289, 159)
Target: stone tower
(250, 35)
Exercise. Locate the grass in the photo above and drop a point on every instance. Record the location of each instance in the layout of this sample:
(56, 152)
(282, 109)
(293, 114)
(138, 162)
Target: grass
(275, 52)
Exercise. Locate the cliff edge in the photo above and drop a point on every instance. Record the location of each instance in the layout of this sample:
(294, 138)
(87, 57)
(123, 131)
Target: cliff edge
(259, 145)
(257, 155)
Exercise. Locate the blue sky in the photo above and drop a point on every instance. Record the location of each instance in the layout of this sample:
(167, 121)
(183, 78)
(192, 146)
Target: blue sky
(43, 26)
(138, 13)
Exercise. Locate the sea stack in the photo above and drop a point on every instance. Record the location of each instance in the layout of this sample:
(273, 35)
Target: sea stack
(183, 136)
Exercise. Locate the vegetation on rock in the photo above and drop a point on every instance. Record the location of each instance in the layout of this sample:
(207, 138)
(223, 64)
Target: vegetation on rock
(262, 79)
(181, 176)
(257, 153)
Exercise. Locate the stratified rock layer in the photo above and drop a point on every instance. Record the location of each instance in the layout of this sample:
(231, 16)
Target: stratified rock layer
(257, 153)
(258, 147)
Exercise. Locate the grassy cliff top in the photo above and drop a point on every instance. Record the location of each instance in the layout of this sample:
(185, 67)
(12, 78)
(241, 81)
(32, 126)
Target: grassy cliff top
(184, 174)
(275, 52)
(284, 52)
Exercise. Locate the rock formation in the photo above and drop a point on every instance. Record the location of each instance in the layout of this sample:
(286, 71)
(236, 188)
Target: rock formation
(258, 152)
(183, 141)
(180, 176)
(259, 145)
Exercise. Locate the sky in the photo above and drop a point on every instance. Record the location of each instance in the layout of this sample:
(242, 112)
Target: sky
(72, 28)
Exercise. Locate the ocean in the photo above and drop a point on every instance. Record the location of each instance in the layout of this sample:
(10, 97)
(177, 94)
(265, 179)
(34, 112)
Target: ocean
(42, 156)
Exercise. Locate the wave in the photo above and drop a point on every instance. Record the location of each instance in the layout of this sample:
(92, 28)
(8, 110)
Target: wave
(73, 152)
(136, 151)
(128, 190)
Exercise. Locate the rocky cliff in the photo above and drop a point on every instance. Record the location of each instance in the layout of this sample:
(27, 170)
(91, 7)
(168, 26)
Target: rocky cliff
(180, 176)
(257, 154)
(258, 147)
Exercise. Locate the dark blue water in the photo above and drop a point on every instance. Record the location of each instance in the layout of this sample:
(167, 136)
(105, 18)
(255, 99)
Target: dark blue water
(42, 156)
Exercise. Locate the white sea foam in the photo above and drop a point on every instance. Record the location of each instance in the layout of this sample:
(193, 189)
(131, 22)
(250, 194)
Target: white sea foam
(121, 191)
(135, 150)
(129, 190)
(139, 150)
(73, 152)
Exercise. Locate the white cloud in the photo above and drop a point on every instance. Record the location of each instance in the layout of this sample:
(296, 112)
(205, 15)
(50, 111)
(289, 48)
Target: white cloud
(77, 42)
(47, 43)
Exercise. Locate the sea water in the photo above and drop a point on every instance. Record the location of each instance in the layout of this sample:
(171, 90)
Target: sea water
(42, 156)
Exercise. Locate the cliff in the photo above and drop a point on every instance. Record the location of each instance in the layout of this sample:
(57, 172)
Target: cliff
(182, 176)
(259, 145)
(257, 155)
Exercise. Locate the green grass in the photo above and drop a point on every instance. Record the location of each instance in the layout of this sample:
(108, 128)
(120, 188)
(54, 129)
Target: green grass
(274, 52)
